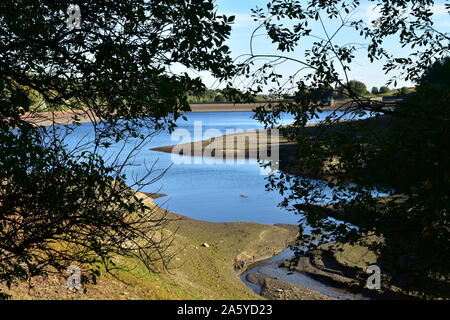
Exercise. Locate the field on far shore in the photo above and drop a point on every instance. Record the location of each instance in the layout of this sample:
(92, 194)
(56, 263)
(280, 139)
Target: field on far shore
(48, 118)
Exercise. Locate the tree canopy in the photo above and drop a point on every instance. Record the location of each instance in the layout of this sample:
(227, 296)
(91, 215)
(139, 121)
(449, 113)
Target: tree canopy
(60, 205)
(385, 177)
(374, 90)
(355, 86)
(384, 89)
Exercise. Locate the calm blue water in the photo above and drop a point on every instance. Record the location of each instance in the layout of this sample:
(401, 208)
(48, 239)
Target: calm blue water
(206, 192)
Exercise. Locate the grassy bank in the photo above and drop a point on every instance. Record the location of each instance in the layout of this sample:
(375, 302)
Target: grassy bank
(197, 271)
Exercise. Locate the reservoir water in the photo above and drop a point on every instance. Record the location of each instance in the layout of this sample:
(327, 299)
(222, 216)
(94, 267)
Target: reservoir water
(210, 192)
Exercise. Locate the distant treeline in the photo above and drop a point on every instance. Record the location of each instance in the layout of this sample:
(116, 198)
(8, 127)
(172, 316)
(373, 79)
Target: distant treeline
(36, 102)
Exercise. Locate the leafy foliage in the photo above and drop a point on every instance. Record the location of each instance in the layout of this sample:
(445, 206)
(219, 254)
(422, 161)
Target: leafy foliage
(61, 205)
(355, 86)
(384, 89)
(386, 176)
(375, 90)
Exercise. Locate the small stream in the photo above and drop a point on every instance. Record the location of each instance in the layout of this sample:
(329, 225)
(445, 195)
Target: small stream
(270, 268)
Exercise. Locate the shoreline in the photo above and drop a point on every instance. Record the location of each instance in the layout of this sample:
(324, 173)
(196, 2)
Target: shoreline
(211, 261)
(257, 144)
(48, 118)
(317, 264)
(209, 258)
(255, 252)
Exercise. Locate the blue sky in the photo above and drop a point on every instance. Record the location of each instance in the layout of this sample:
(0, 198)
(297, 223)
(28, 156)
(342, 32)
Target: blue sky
(371, 74)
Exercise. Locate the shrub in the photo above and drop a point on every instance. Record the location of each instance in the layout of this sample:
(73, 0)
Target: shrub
(384, 89)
